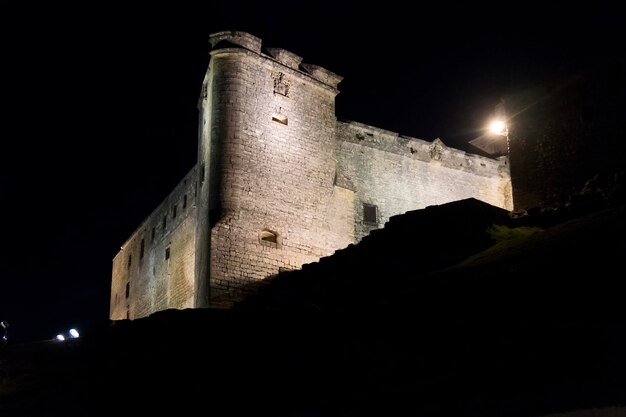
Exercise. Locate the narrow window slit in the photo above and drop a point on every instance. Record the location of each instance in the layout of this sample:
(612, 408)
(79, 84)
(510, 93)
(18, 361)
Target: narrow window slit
(280, 119)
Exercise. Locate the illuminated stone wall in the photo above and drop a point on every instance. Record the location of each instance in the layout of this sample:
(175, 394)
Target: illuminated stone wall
(162, 275)
(395, 174)
(280, 183)
(268, 142)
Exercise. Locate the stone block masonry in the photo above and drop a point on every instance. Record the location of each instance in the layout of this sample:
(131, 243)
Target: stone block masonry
(154, 269)
(392, 174)
(280, 183)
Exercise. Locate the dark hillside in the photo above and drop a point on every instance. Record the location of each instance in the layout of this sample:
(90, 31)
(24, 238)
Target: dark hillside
(438, 314)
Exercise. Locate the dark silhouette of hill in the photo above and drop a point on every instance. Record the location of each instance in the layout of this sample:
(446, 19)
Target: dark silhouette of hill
(462, 309)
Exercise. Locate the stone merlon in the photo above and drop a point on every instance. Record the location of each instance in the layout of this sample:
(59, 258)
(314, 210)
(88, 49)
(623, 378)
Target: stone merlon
(285, 57)
(242, 39)
(323, 75)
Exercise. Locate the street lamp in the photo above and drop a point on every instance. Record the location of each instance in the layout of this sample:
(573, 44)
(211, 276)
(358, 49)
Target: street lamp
(499, 127)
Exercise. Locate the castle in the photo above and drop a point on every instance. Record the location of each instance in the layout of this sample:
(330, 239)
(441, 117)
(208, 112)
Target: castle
(279, 183)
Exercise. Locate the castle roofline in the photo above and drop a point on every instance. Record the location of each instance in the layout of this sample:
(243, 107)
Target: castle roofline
(389, 141)
(236, 39)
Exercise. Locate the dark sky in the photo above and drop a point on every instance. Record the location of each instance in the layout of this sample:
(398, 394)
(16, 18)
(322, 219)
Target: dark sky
(99, 109)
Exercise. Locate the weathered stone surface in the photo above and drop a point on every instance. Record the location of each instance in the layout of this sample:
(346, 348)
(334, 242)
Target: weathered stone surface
(274, 161)
(397, 174)
(164, 276)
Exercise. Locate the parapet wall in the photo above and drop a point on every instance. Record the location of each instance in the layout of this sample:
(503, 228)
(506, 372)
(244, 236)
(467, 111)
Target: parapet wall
(154, 269)
(421, 150)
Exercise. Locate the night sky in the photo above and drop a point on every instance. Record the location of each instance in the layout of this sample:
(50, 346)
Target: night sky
(99, 110)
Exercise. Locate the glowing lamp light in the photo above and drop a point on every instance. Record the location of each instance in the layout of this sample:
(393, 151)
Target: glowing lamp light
(60, 337)
(498, 127)
(74, 333)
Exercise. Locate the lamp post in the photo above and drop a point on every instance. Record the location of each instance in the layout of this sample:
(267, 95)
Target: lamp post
(500, 127)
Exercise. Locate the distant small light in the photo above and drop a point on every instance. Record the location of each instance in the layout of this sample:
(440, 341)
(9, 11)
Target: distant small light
(74, 333)
(498, 127)
(60, 337)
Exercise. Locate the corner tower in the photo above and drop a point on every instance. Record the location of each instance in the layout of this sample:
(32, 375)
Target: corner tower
(266, 168)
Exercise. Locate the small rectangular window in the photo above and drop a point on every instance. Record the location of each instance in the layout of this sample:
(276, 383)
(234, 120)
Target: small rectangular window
(143, 247)
(174, 212)
(164, 222)
(370, 214)
(130, 260)
(185, 201)
(280, 119)
(127, 289)
(167, 253)
(153, 234)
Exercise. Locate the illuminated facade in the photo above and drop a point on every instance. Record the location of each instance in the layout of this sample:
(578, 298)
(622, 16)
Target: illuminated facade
(280, 182)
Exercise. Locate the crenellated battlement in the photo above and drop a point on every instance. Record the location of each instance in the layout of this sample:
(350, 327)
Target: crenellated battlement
(228, 40)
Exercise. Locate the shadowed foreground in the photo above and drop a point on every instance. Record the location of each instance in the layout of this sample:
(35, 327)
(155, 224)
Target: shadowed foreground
(533, 325)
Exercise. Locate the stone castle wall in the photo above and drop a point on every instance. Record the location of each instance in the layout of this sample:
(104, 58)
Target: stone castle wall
(280, 183)
(395, 174)
(160, 275)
